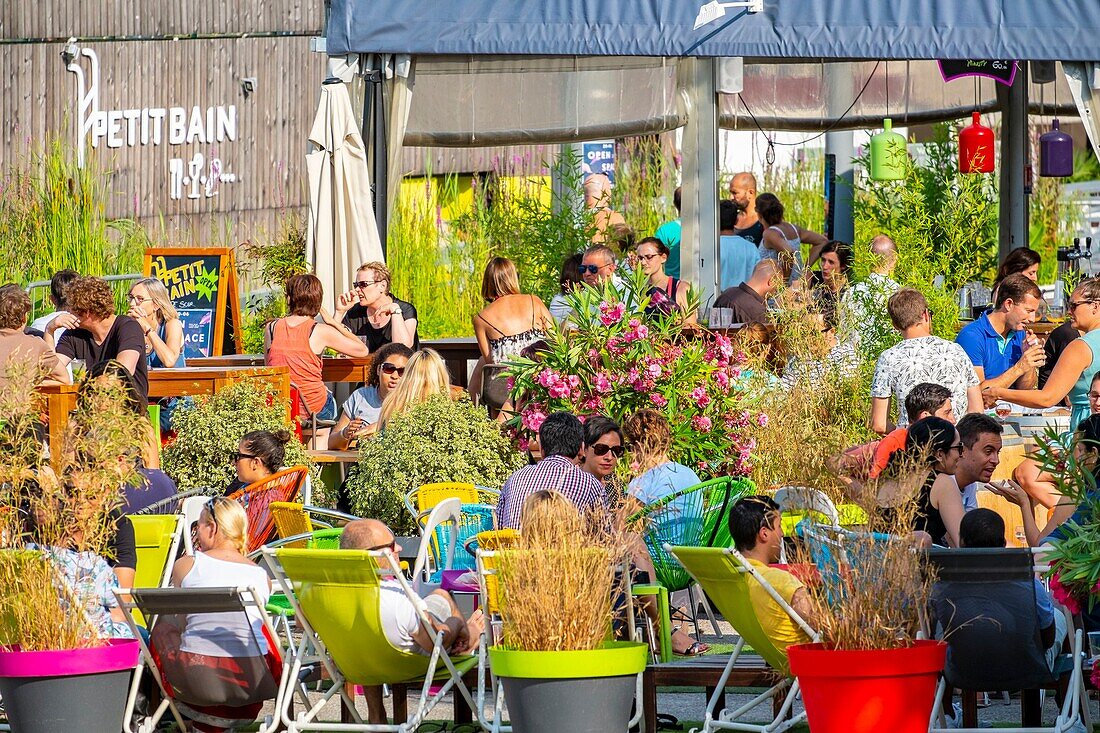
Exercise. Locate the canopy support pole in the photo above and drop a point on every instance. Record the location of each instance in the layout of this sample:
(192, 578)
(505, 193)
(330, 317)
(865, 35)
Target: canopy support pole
(697, 80)
(1015, 186)
(841, 145)
(374, 136)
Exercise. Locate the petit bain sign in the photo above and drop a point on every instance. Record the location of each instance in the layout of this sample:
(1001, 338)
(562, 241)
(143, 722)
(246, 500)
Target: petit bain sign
(1002, 71)
(202, 284)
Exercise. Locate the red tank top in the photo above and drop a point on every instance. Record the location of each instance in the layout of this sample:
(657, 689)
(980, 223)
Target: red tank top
(290, 348)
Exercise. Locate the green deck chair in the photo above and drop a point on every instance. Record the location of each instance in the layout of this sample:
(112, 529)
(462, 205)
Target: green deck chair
(158, 538)
(724, 575)
(335, 596)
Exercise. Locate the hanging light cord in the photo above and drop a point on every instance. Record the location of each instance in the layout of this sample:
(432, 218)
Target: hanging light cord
(772, 142)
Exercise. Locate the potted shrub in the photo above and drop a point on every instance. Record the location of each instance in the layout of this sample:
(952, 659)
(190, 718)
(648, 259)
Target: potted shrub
(558, 669)
(616, 359)
(198, 457)
(439, 440)
(58, 669)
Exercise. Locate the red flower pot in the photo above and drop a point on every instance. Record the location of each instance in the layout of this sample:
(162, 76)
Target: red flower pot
(868, 691)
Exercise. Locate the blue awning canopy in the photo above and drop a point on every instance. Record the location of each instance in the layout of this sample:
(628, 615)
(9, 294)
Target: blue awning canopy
(1065, 30)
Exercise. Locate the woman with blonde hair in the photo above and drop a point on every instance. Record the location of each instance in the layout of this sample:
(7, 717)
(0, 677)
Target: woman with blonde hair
(508, 324)
(374, 313)
(425, 375)
(221, 658)
(151, 307)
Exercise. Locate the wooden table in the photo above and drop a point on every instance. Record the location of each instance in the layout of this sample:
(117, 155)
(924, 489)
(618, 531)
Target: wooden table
(334, 456)
(200, 380)
(333, 368)
(457, 353)
(60, 401)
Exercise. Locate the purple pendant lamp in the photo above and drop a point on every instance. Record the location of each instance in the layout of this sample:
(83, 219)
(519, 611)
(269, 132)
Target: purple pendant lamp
(1055, 153)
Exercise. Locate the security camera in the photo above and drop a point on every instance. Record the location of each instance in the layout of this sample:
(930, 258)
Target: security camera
(70, 52)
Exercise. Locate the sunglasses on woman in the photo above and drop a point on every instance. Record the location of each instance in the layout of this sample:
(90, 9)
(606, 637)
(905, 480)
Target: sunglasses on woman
(601, 449)
(388, 368)
(236, 456)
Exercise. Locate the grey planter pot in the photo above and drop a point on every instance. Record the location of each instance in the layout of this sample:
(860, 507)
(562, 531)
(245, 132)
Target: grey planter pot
(580, 692)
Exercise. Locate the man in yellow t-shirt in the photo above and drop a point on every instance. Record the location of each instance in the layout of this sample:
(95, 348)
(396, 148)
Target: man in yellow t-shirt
(757, 534)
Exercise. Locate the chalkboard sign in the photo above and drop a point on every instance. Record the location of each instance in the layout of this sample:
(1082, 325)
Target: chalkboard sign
(1000, 70)
(202, 284)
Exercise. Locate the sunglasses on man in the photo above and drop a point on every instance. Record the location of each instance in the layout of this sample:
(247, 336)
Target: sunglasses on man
(591, 268)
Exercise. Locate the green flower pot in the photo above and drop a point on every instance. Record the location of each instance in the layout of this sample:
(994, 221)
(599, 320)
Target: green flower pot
(577, 691)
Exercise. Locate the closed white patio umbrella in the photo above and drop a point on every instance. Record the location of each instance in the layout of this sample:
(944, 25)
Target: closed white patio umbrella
(341, 233)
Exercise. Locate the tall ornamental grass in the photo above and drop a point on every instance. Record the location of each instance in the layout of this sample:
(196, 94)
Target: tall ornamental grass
(71, 505)
(53, 216)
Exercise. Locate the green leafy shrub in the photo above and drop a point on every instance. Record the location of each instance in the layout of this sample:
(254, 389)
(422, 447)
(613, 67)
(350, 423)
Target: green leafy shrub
(207, 433)
(439, 440)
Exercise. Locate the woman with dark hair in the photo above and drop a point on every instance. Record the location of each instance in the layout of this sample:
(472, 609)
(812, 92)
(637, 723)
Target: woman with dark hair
(1021, 261)
(297, 341)
(831, 281)
(359, 417)
(259, 454)
(603, 447)
(783, 240)
(666, 293)
(932, 447)
(568, 281)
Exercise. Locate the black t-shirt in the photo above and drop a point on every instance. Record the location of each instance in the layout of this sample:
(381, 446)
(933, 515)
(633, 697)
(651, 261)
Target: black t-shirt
(1057, 342)
(125, 335)
(123, 545)
(375, 338)
(754, 233)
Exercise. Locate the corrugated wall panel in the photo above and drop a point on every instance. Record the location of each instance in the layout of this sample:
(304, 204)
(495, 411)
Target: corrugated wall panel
(40, 98)
(123, 18)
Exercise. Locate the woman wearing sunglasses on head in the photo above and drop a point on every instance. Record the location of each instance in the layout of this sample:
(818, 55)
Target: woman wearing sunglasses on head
(359, 417)
(259, 454)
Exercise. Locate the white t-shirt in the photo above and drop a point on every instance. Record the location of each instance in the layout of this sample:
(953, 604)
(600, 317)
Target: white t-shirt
(924, 359)
(399, 618)
(40, 323)
(364, 403)
(227, 634)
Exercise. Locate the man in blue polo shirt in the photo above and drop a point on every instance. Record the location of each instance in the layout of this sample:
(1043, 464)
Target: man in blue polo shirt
(1003, 351)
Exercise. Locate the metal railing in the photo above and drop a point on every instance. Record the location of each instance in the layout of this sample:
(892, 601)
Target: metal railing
(38, 301)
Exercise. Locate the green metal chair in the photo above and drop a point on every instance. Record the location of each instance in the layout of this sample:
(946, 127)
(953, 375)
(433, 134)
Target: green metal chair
(724, 575)
(693, 517)
(335, 595)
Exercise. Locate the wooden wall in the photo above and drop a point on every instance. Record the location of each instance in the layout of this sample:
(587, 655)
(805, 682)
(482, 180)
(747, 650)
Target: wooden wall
(38, 98)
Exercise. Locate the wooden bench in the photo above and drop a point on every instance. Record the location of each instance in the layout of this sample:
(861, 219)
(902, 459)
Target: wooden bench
(705, 671)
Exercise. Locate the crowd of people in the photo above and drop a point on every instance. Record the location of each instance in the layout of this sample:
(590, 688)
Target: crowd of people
(927, 399)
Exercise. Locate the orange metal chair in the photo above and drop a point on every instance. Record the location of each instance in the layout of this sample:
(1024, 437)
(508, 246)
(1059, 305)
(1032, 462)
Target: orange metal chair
(257, 499)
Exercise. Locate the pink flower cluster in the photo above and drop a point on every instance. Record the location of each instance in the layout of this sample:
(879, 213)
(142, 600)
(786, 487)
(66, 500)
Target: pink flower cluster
(611, 313)
(637, 332)
(1064, 595)
(556, 385)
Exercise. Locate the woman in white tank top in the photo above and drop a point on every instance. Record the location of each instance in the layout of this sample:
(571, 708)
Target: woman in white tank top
(222, 660)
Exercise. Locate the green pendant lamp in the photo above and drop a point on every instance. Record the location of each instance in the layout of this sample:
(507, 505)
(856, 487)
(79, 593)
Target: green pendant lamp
(888, 153)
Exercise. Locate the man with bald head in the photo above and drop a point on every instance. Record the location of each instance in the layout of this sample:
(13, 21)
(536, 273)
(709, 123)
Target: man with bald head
(863, 305)
(400, 621)
(743, 191)
(597, 198)
(749, 300)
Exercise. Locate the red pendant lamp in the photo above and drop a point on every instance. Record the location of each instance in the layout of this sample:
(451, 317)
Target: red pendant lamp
(976, 154)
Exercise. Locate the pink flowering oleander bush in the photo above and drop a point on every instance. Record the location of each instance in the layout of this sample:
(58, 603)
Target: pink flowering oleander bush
(619, 352)
(1074, 555)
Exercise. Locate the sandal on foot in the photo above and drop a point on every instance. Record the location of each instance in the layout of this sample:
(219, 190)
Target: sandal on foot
(697, 648)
